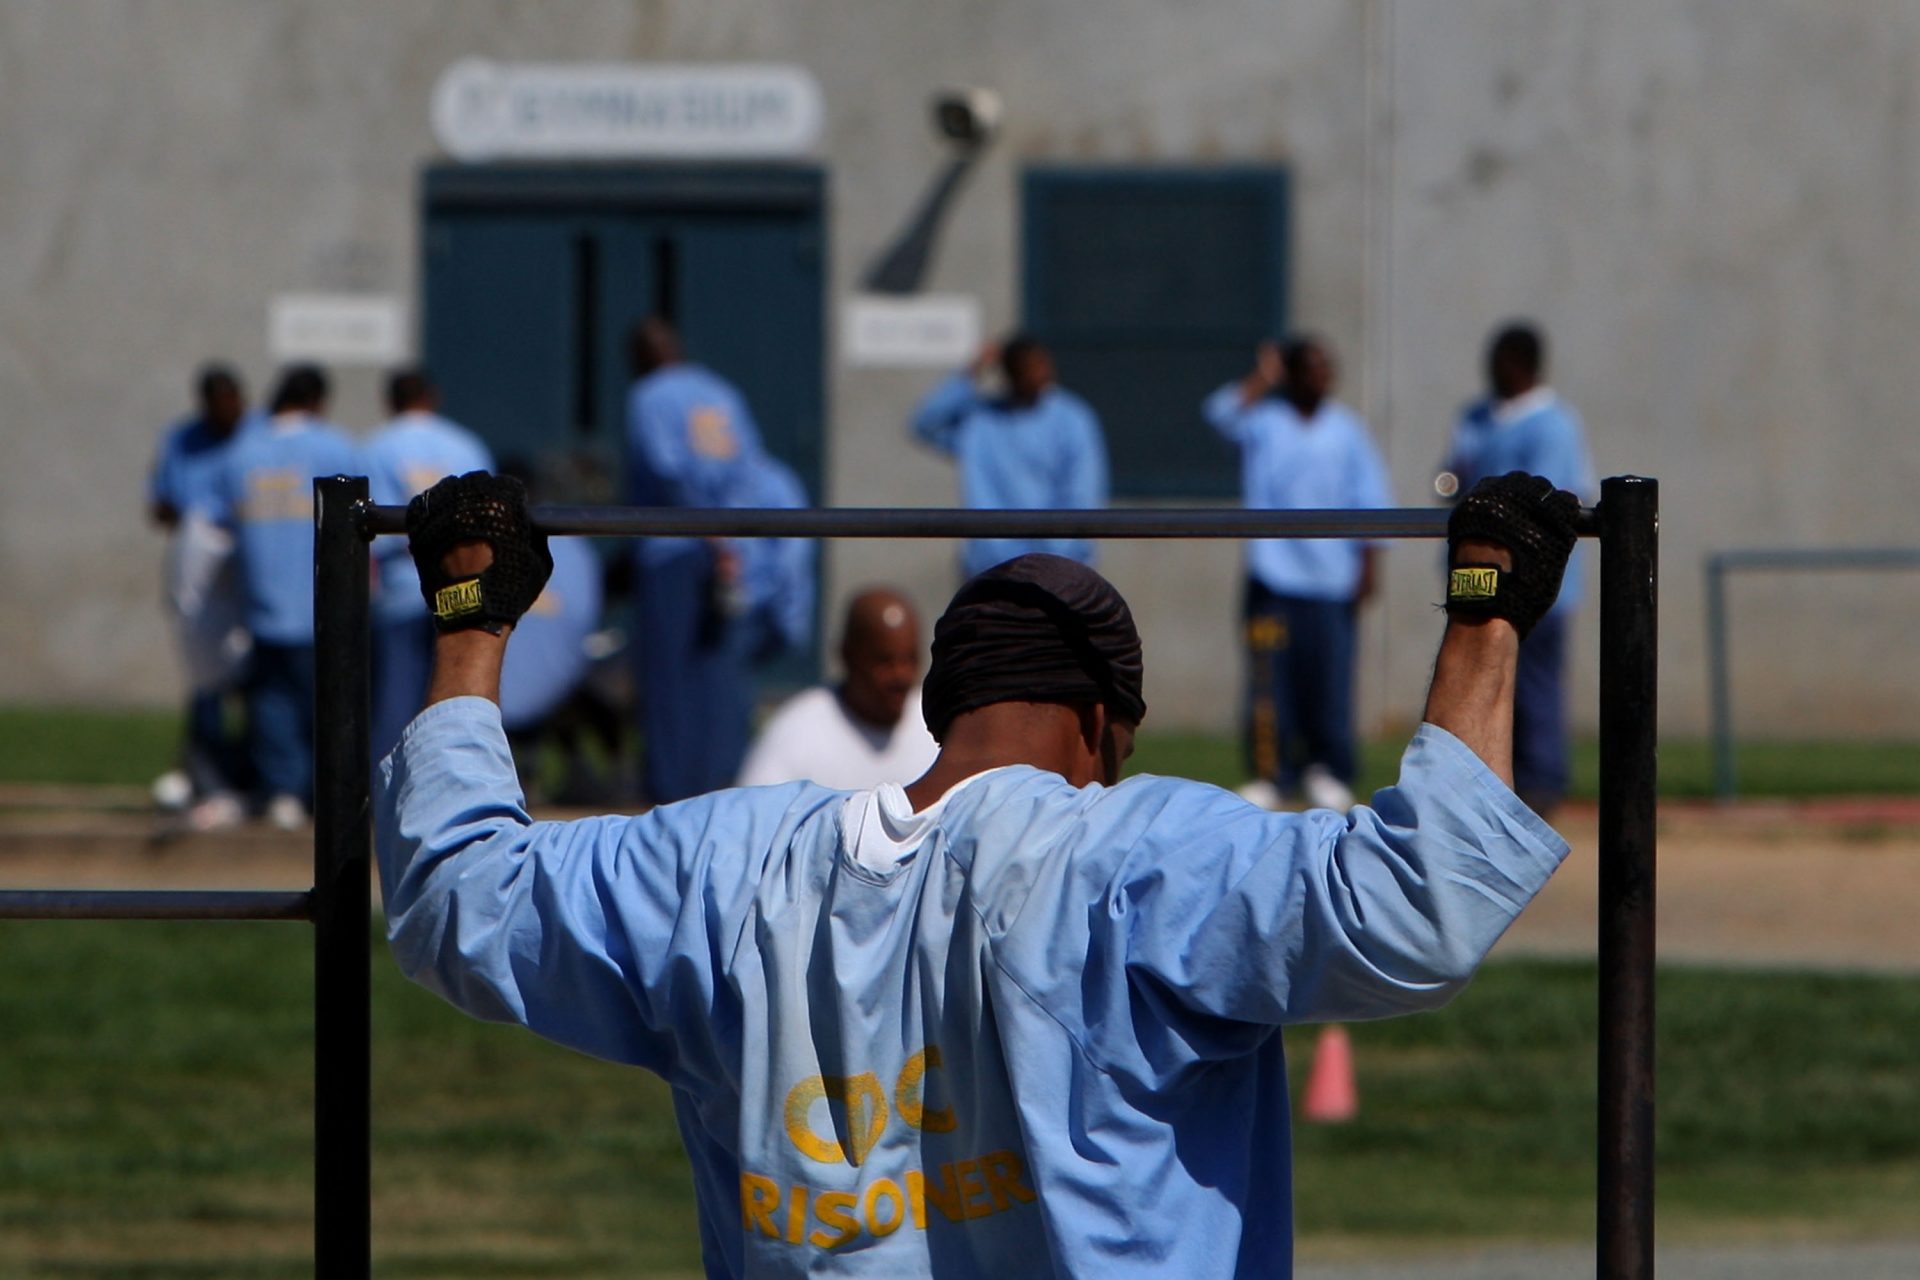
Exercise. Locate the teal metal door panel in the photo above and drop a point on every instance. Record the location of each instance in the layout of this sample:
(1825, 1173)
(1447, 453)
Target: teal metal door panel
(750, 306)
(500, 327)
(1152, 287)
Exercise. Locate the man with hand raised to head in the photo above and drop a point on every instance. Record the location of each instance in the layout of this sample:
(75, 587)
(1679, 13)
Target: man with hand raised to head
(1018, 1017)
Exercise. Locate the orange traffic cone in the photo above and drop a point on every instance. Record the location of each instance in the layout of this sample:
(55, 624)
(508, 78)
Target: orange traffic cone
(1331, 1096)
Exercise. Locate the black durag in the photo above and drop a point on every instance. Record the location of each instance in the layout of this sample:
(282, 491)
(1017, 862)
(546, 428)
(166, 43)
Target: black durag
(1038, 628)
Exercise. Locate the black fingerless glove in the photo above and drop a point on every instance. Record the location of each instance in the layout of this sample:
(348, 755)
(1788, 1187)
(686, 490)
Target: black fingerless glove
(1535, 523)
(477, 507)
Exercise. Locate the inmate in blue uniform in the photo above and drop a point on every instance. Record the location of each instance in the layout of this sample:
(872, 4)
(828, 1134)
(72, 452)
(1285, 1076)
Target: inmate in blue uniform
(1045, 456)
(186, 471)
(691, 442)
(1300, 607)
(185, 480)
(1538, 433)
(406, 457)
(1030, 1031)
(265, 494)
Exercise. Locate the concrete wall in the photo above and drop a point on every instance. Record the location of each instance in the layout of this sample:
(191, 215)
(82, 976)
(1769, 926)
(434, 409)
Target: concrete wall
(1709, 204)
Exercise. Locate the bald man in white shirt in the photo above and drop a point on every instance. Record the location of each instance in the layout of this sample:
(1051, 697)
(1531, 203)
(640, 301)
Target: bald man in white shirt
(868, 729)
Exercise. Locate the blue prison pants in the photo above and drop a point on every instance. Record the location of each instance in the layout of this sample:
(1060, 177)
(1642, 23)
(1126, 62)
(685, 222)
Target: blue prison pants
(280, 718)
(1540, 750)
(1300, 660)
(692, 676)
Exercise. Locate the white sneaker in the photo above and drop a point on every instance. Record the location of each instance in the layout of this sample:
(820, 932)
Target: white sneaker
(1324, 791)
(217, 812)
(172, 791)
(286, 813)
(1262, 794)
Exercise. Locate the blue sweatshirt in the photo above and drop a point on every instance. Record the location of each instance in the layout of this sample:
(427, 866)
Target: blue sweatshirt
(1030, 1031)
(1045, 456)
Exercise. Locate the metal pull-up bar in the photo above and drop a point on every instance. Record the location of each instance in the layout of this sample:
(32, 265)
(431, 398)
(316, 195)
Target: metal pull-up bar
(1626, 522)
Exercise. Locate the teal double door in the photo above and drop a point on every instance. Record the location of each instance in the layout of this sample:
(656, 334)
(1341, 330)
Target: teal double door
(532, 278)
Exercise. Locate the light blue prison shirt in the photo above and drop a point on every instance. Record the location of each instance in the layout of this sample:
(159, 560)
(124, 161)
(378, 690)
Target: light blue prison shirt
(1288, 462)
(1029, 1032)
(264, 492)
(1538, 433)
(408, 456)
(691, 442)
(548, 657)
(1045, 456)
(186, 470)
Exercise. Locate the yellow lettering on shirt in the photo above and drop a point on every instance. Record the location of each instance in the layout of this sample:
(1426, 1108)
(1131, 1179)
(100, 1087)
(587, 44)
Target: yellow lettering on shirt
(796, 1214)
(964, 1191)
(907, 1099)
(1003, 1170)
(416, 478)
(831, 1207)
(878, 1223)
(759, 1197)
(945, 1196)
(275, 493)
(972, 1187)
(711, 432)
(861, 1101)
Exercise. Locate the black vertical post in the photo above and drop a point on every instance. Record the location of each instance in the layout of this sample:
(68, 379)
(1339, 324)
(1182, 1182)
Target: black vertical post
(342, 903)
(1629, 563)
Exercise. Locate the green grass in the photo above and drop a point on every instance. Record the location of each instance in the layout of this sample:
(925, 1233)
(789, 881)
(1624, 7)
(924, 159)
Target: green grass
(40, 744)
(1789, 770)
(86, 746)
(158, 1090)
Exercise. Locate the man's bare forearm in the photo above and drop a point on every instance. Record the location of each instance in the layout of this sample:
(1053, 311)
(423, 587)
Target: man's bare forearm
(466, 664)
(1472, 692)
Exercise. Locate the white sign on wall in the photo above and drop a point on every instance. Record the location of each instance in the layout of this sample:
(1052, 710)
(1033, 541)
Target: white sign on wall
(337, 328)
(606, 110)
(923, 330)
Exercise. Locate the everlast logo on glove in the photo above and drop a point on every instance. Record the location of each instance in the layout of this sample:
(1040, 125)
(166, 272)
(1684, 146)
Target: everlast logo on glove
(1473, 584)
(457, 600)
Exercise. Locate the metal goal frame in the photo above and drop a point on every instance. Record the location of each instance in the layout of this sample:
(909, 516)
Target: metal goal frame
(340, 907)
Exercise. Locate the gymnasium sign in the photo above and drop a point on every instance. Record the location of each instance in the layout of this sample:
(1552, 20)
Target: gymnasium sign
(621, 110)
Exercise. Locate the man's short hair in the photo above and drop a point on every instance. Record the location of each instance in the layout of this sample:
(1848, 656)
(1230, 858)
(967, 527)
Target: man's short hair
(215, 376)
(407, 388)
(1522, 343)
(1014, 352)
(303, 386)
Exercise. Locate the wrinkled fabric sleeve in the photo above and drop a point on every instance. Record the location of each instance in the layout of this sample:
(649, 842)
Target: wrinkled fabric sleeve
(936, 422)
(1279, 918)
(1226, 414)
(595, 934)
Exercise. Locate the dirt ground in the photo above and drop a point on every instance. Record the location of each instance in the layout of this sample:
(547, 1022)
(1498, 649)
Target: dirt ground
(1827, 885)
(1819, 885)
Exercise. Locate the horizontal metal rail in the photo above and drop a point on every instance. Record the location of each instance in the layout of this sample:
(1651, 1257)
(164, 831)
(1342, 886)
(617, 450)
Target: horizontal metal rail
(936, 522)
(1719, 639)
(155, 904)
